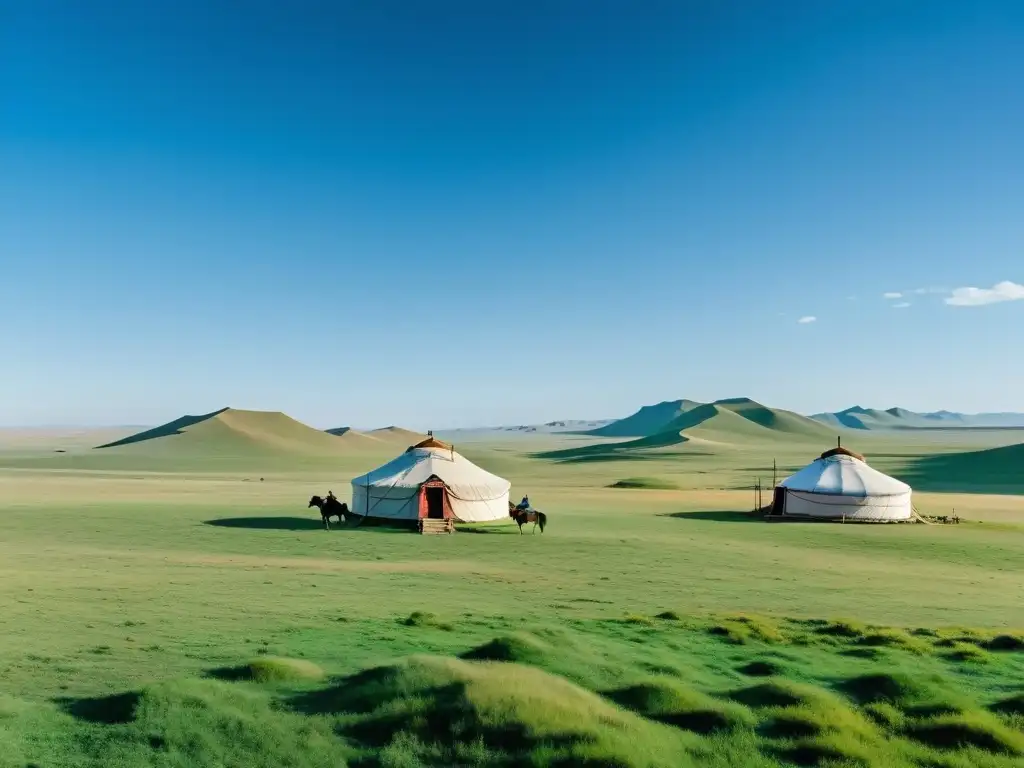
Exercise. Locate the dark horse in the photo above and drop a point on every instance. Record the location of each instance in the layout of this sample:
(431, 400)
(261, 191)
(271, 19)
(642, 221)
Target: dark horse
(330, 507)
(525, 516)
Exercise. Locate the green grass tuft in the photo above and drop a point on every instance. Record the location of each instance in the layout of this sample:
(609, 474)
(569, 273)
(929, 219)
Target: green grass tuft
(668, 616)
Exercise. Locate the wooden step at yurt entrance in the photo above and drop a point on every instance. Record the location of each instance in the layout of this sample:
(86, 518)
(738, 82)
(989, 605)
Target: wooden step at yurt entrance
(431, 526)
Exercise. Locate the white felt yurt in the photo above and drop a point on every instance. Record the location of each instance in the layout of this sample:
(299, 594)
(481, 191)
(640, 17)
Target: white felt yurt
(839, 485)
(430, 481)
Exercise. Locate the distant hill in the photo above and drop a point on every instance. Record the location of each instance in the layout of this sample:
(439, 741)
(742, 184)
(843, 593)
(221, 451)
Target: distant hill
(734, 421)
(356, 439)
(649, 420)
(902, 418)
(231, 432)
(397, 436)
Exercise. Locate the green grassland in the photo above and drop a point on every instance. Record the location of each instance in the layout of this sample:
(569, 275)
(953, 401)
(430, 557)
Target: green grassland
(165, 606)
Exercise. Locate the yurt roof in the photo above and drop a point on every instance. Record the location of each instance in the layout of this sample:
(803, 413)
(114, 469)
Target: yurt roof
(464, 479)
(840, 451)
(844, 475)
(430, 442)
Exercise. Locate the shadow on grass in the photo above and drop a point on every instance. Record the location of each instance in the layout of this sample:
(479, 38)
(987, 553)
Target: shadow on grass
(719, 516)
(117, 709)
(270, 523)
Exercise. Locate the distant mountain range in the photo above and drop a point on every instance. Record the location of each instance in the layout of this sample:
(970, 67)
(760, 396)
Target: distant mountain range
(901, 418)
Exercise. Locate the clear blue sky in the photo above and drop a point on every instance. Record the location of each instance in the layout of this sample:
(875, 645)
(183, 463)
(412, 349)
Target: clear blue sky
(371, 212)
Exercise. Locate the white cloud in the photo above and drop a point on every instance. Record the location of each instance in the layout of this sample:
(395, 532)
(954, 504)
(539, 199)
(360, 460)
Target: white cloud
(901, 305)
(892, 295)
(978, 297)
(807, 319)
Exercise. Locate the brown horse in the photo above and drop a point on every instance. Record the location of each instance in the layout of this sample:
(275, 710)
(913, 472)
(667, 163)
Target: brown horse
(525, 516)
(330, 507)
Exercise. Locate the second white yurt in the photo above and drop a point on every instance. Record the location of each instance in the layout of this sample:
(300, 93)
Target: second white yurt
(430, 481)
(839, 485)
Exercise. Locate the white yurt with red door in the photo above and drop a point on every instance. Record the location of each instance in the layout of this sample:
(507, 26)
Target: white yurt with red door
(430, 480)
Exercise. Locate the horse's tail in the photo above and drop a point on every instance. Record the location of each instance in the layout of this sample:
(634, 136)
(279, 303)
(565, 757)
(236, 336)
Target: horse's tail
(542, 520)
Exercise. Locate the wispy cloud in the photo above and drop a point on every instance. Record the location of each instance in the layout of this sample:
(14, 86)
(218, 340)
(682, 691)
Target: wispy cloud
(892, 295)
(901, 305)
(979, 297)
(807, 319)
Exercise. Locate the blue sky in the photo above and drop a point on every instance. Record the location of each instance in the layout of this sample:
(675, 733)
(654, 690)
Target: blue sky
(506, 212)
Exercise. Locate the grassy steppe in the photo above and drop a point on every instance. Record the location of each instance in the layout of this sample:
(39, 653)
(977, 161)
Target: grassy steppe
(170, 610)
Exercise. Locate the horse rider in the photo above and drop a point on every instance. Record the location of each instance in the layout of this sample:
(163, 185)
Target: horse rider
(524, 505)
(331, 496)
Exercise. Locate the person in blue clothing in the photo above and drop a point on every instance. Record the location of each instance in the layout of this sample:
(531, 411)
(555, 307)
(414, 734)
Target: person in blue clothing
(524, 505)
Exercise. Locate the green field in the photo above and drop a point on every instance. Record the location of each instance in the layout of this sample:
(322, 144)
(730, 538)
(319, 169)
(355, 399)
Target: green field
(177, 604)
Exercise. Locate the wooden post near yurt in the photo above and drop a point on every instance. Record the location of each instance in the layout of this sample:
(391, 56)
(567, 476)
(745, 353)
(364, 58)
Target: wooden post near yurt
(775, 475)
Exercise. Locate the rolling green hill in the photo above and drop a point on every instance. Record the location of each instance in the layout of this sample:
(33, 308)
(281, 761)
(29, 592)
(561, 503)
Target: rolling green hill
(649, 420)
(233, 433)
(708, 428)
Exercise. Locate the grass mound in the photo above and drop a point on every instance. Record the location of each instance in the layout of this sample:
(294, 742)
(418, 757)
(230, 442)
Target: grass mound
(741, 630)
(841, 628)
(1014, 705)
(970, 729)
(645, 483)
(918, 695)
(272, 669)
(762, 668)
(425, 619)
(967, 653)
(433, 710)
(667, 701)
(777, 692)
(1008, 642)
(520, 647)
(196, 722)
(892, 638)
